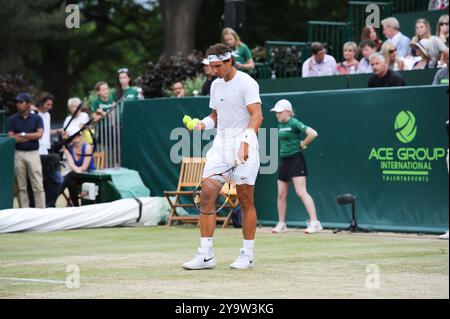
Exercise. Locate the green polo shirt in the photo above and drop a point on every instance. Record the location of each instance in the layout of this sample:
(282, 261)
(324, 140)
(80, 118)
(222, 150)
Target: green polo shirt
(104, 105)
(290, 134)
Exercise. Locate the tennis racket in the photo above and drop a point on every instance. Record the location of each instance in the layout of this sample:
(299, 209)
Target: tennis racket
(216, 180)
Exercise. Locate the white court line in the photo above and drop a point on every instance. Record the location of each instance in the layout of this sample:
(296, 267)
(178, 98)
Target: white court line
(45, 281)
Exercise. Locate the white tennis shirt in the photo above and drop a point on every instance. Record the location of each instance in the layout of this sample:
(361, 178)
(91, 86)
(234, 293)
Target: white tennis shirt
(230, 99)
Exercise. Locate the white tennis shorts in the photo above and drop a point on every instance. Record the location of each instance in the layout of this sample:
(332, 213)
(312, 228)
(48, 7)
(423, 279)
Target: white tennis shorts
(222, 157)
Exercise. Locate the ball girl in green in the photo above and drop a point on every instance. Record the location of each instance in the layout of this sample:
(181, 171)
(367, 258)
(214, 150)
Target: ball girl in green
(294, 138)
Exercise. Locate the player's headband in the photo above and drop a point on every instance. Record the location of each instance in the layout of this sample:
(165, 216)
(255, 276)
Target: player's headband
(221, 57)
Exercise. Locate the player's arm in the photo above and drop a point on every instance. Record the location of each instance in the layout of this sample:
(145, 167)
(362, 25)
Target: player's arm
(250, 137)
(256, 117)
(208, 122)
(311, 134)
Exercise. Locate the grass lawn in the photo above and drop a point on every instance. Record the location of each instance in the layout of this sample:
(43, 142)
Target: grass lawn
(146, 263)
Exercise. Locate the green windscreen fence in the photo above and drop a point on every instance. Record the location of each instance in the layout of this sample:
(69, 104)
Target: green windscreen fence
(7, 149)
(386, 146)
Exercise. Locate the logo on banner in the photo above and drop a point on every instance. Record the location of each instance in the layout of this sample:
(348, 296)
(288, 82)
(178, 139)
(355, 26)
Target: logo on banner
(406, 164)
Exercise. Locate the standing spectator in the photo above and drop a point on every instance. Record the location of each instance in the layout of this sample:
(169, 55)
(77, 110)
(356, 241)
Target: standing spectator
(383, 77)
(350, 65)
(441, 76)
(79, 159)
(27, 128)
(244, 60)
(125, 87)
(370, 33)
(422, 52)
(320, 63)
(178, 89)
(52, 178)
(389, 52)
(77, 119)
(207, 70)
(437, 5)
(391, 29)
(442, 29)
(367, 48)
(104, 100)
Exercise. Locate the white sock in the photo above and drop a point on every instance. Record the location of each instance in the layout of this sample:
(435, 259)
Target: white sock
(206, 244)
(248, 246)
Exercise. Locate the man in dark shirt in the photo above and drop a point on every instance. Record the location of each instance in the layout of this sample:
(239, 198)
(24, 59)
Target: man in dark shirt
(207, 70)
(383, 77)
(27, 128)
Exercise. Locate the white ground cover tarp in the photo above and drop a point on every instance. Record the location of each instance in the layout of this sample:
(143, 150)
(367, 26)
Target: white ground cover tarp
(124, 212)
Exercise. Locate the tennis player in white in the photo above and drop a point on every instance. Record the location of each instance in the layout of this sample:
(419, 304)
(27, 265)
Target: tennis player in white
(236, 112)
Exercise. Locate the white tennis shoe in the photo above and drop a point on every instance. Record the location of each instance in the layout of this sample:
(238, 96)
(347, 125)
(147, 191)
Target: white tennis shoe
(244, 261)
(314, 226)
(444, 236)
(201, 261)
(279, 228)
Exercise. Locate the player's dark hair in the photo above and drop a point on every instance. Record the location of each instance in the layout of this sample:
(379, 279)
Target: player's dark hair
(219, 49)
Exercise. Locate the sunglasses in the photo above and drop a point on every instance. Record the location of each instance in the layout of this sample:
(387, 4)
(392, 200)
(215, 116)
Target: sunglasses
(392, 51)
(443, 23)
(123, 70)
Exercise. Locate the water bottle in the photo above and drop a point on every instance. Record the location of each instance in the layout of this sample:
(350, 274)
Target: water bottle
(273, 76)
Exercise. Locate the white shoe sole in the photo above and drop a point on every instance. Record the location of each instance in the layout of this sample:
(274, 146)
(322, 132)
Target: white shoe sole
(199, 268)
(241, 268)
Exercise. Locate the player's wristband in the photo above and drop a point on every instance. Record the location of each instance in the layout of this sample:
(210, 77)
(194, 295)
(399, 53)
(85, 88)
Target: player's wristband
(250, 137)
(209, 123)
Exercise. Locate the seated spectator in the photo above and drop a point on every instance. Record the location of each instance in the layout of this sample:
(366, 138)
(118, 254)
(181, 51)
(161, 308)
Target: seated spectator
(27, 129)
(104, 101)
(367, 48)
(383, 77)
(441, 76)
(207, 70)
(437, 5)
(442, 29)
(389, 52)
(244, 60)
(350, 65)
(370, 33)
(433, 44)
(391, 29)
(79, 159)
(178, 89)
(422, 52)
(320, 63)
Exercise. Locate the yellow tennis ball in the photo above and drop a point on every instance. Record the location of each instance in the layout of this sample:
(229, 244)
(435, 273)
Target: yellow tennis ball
(186, 119)
(190, 125)
(195, 122)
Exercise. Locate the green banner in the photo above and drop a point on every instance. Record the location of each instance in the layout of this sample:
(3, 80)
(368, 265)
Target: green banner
(386, 146)
(7, 149)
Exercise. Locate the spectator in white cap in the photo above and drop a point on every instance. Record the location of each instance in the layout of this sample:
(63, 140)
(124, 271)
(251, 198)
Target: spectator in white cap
(207, 70)
(294, 138)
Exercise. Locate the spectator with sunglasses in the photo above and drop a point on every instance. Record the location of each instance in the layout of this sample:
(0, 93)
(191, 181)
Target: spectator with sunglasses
(442, 29)
(389, 52)
(79, 159)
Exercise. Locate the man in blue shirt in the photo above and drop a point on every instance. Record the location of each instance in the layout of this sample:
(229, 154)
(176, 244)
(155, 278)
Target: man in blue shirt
(27, 128)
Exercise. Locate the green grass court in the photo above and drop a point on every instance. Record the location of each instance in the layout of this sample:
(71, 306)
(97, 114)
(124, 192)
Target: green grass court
(146, 263)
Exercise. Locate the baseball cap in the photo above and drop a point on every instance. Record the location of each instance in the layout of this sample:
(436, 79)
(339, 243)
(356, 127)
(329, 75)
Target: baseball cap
(282, 105)
(72, 130)
(23, 97)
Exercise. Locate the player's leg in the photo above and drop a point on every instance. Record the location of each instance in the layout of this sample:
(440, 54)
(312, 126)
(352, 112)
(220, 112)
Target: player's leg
(204, 259)
(283, 188)
(300, 188)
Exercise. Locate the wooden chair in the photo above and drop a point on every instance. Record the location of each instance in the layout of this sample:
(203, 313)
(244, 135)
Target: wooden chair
(99, 160)
(190, 175)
